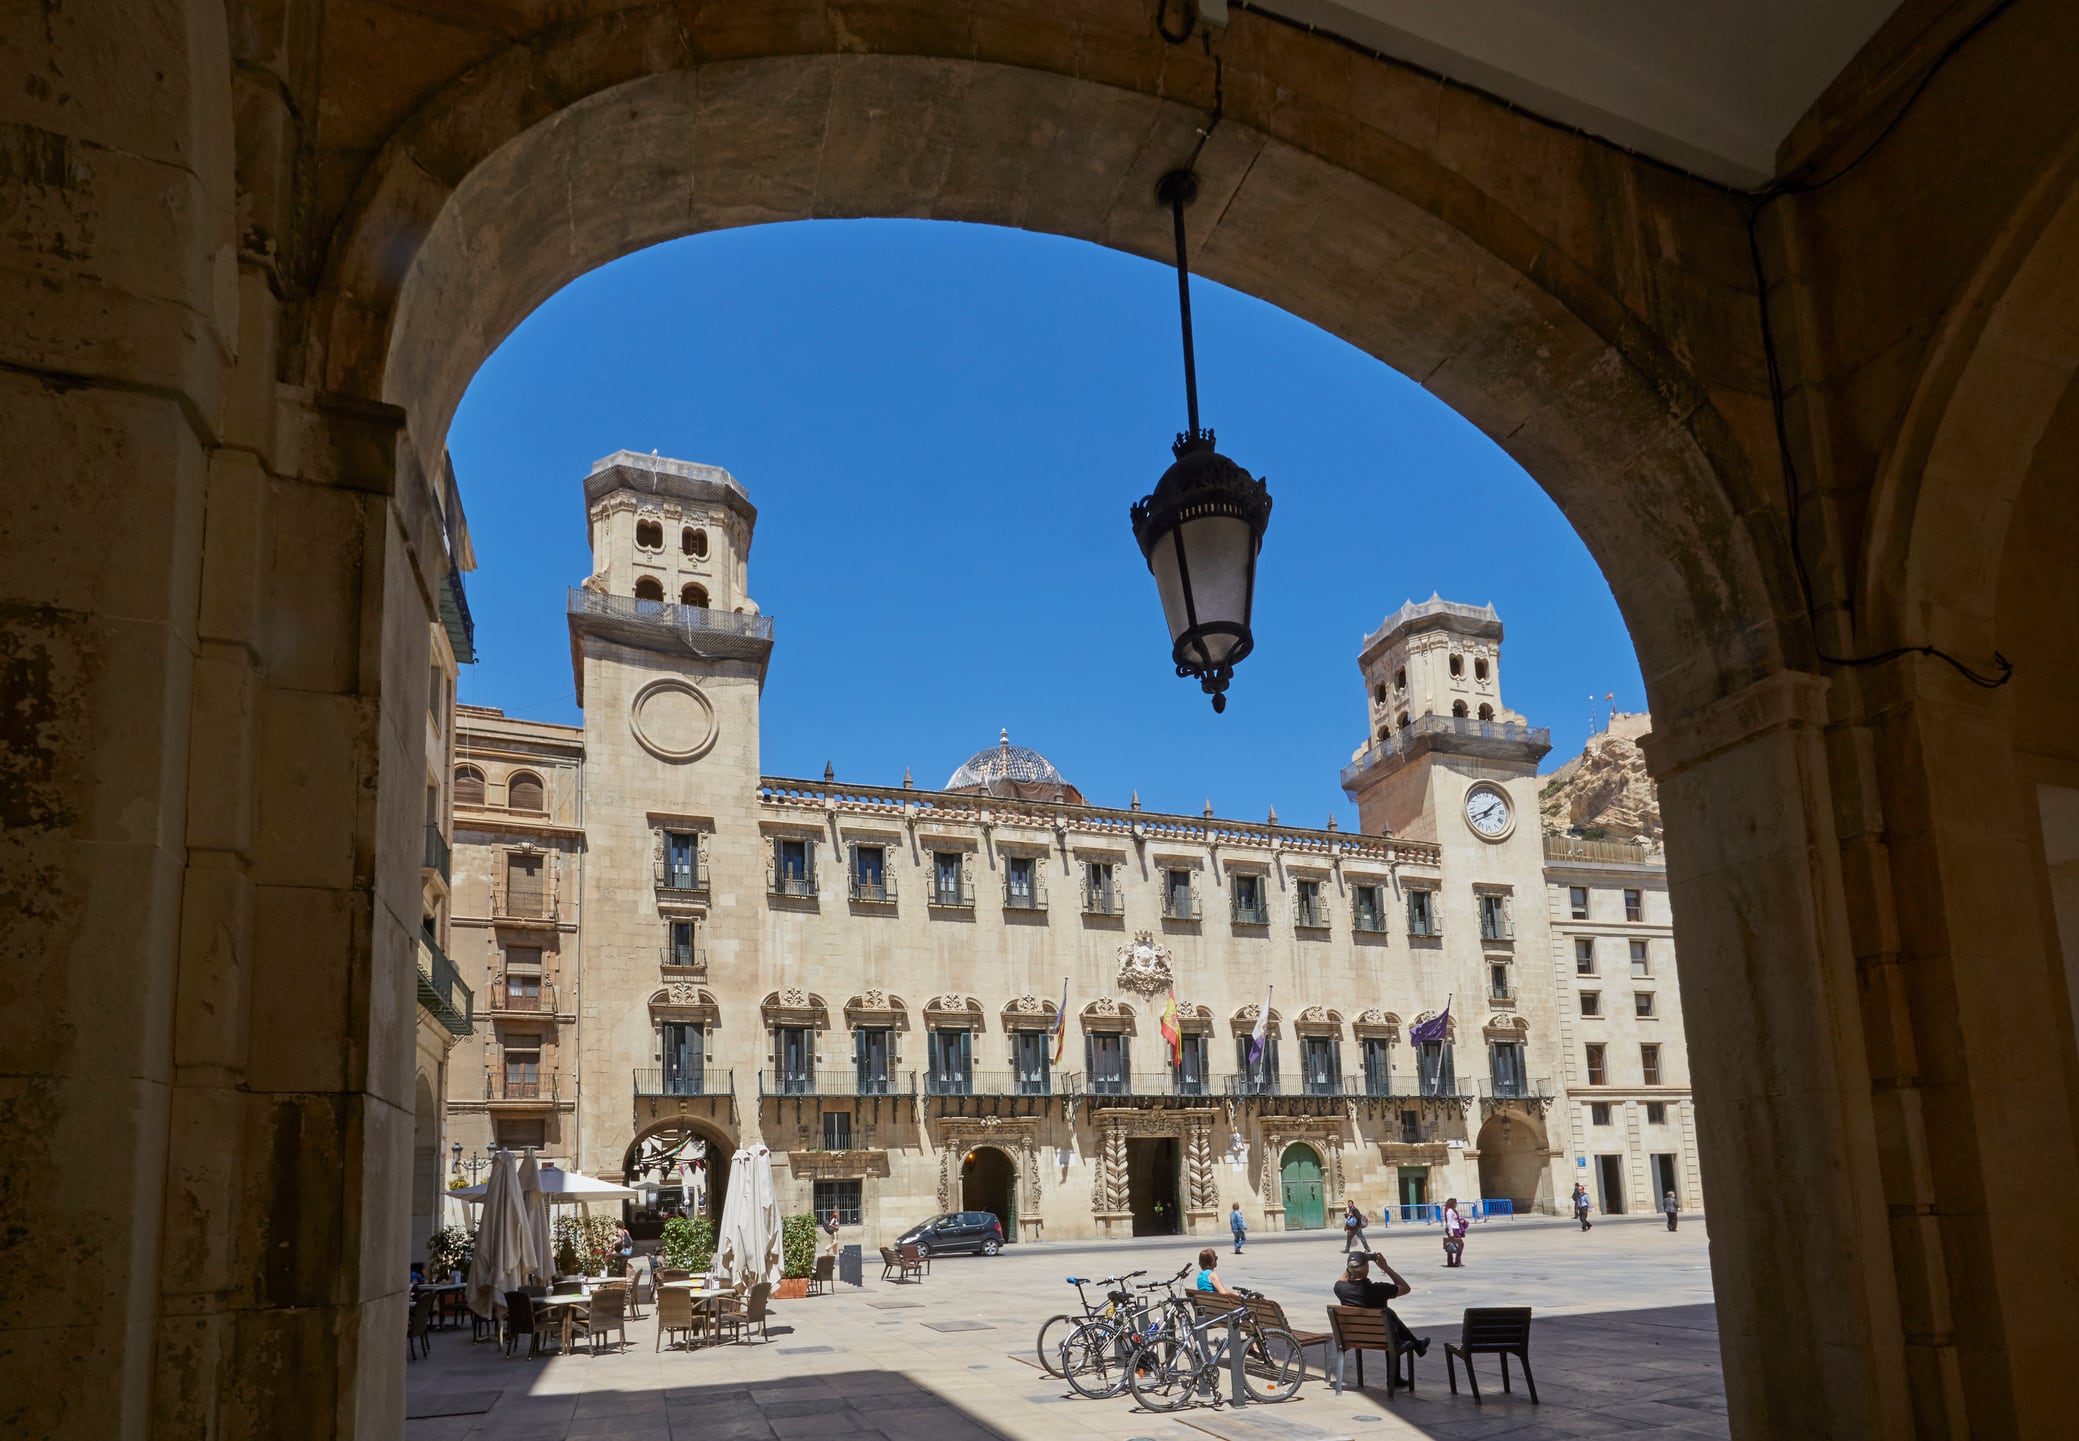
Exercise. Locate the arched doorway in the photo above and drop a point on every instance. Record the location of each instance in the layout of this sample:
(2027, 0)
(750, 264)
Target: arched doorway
(989, 1182)
(1299, 1176)
(682, 1166)
(425, 1167)
(1513, 1160)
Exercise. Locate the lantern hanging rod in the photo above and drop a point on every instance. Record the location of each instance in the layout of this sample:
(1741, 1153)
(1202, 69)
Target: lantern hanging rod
(1177, 190)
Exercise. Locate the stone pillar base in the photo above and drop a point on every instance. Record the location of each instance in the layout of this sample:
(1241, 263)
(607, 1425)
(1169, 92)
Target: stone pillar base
(1115, 1223)
(1200, 1220)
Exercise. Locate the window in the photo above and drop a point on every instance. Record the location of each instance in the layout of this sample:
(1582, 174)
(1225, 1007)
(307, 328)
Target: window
(1176, 895)
(523, 958)
(1403, 721)
(1031, 1054)
(1457, 665)
(837, 1133)
(951, 1061)
(1309, 911)
(1634, 906)
(1505, 1068)
(1379, 693)
(695, 596)
(683, 1048)
(1021, 890)
(1496, 924)
(679, 948)
(1367, 909)
(469, 786)
(1656, 1113)
(1595, 1065)
(522, 1067)
(1498, 987)
(522, 992)
(1639, 966)
(1433, 1069)
(1411, 1128)
(1320, 1066)
(515, 1135)
(949, 879)
(870, 874)
(1250, 907)
(1584, 957)
(1599, 1113)
(1191, 1066)
(1378, 1067)
(1642, 1002)
(841, 1197)
(1105, 1054)
(1458, 709)
(1100, 896)
(649, 588)
(1400, 679)
(1649, 1065)
(649, 535)
(523, 792)
(1591, 1003)
(873, 1054)
(1486, 712)
(525, 894)
(681, 860)
(1385, 732)
(1577, 902)
(693, 542)
(1479, 670)
(794, 1060)
(793, 867)
(1260, 1078)
(1422, 913)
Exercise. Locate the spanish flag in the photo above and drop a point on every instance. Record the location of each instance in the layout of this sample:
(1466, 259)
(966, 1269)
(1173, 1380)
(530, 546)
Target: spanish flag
(1061, 1024)
(1171, 1032)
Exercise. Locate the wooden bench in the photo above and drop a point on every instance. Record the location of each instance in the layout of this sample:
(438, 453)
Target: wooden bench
(1365, 1328)
(1266, 1314)
(1502, 1331)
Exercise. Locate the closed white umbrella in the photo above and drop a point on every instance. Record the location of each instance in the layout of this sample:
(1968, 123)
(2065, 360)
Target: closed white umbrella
(499, 1260)
(736, 1243)
(773, 1236)
(540, 1260)
(564, 1188)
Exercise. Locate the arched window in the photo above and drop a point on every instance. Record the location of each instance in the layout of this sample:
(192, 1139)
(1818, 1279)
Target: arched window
(693, 541)
(1403, 721)
(1486, 712)
(649, 588)
(1400, 679)
(1385, 732)
(1458, 708)
(1379, 692)
(523, 791)
(469, 786)
(649, 534)
(694, 595)
(1479, 670)
(1457, 665)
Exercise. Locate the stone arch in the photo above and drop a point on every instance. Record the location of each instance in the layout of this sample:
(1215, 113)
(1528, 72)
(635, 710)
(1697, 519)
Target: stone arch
(1514, 1160)
(425, 1165)
(1028, 1011)
(955, 1010)
(1318, 1021)
(683, 1001)
(875, 1007)
(1242, 1020)
(794, 1007)
(1506, 1027)
(1108, 1014)
(721, 1142)
(1373, 1021)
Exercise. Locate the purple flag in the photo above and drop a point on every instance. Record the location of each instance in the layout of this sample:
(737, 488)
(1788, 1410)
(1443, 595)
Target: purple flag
(1431, 1030)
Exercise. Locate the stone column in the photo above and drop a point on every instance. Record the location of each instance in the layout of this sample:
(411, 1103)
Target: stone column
(1812, 1343)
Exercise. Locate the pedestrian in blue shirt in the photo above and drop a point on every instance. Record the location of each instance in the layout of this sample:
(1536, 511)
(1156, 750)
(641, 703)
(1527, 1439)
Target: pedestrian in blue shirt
(1238, 1226)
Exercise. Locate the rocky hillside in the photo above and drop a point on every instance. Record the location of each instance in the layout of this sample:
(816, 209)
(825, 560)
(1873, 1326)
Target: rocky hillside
(1604, 793)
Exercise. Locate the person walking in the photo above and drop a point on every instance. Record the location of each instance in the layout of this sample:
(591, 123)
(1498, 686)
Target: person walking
(1454, 1233)
(1669, 1204)
(1353, 1228)
(830, 1234)
(1236, 1224)
(1581, 1204)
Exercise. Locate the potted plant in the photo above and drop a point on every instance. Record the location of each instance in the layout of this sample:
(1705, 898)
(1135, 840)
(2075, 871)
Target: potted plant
(797, 1256)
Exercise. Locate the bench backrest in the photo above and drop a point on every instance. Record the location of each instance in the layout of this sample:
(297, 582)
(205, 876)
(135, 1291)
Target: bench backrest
(911, 1255)
(1493, 1327)
(1359, 1328)
(1212, 1303)
(1267, 1312)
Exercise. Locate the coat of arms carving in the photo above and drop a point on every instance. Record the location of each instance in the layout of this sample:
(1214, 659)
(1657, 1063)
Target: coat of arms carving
(1144, 966)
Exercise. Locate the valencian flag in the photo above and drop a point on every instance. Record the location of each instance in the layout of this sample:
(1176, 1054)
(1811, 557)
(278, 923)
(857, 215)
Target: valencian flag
(1262, 1025)
(1061, 1024)
(1432, 1030)
(1172, 1033)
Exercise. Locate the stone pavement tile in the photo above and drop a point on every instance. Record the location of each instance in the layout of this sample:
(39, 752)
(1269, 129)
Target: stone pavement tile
(620, 1428)
(838, 1422)
(441, 1428)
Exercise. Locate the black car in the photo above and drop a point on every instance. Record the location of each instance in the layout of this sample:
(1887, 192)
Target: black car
(956, 1231)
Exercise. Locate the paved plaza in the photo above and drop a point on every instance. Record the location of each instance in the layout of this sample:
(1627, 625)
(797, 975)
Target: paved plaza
(1625, 1342)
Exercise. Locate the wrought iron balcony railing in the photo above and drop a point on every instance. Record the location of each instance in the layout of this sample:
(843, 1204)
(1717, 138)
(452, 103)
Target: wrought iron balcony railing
(1034, 899)
(1104, 901)
(1310, 916)
(505, 998)
(709, 1081)
(957, 897)
(681, 875)
(1368, 921)
(442, 991)
(836, 1082)
(439, 855)
(1181, 906)
(994, 1083)
(684, 958)
(874, 890)
(535, 904)
(1515, 1088)
(784, 883)
(1249, 913)
(521, 1088)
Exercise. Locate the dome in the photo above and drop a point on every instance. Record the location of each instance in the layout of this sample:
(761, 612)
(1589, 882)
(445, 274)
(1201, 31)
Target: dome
(1004, 762)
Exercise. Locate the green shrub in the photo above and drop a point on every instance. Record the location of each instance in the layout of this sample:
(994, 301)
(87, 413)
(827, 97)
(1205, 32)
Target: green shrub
(585, 1244)
(797, 1246)
(449, 1249)
(688, 1243)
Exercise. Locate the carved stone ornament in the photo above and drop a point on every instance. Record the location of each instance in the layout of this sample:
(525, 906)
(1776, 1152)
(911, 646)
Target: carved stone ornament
(1028, 1006)
(1511, 1026)
(1375, 1022)
(682, 993)
(1144, 966)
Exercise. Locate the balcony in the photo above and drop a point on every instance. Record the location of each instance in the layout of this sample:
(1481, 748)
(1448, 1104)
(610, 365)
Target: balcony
(1104, 901)
(1310, 915)
(503, 999)
(1578, 848)
(441, 990)
(1291, 1084)
(523, 905)
(1368, 922)
(1246, 912)
(835, 1083)
(1162, 1085)
(1516, 1088)
(520, 1092)
(439, 856)
(686, 960)
(1461, 735)
(684, 629)
(873, 890)
(995, 1083)
(791, 885)
(1034, 899)
(958, 897)
(1181, 906)
(710, 1081)
(681, 877)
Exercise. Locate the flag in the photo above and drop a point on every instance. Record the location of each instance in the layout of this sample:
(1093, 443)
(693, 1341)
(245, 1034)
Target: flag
(1262, 1025)
(1431, 1031)
(1061, 1024)
(1172, 1032)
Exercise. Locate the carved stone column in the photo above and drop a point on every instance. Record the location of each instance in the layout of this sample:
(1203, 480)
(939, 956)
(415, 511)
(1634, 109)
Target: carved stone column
(1201, 1187)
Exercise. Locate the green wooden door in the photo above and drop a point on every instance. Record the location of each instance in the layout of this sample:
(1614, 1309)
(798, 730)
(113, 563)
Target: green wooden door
(1301, 1173)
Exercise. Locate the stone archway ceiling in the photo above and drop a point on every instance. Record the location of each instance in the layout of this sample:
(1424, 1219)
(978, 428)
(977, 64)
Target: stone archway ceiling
(1711, 86)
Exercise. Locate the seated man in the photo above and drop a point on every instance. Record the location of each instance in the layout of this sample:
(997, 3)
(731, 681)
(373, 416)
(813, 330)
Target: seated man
(1356, 1290)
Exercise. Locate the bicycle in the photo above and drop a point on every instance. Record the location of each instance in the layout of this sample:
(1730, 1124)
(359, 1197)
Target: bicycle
(1050, 1351)
(1167, 1370)
(1096, 1356)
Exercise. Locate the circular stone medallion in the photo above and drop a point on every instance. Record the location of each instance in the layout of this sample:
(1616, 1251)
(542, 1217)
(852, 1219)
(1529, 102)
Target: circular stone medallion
(673, 720)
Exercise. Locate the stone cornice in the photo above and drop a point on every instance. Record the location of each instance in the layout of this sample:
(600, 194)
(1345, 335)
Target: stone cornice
(1787, 698)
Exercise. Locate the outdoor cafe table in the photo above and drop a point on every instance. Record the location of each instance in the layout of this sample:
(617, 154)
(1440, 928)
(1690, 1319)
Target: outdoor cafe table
(567, 1306)
(447, 1297)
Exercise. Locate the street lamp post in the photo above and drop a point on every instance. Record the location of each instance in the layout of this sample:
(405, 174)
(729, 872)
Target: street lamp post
(1201, 528)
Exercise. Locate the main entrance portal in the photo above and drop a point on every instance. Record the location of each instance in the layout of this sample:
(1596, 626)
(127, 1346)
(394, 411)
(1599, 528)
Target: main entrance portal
(1151, 1185)
(988, 1182)
(1305, 1210)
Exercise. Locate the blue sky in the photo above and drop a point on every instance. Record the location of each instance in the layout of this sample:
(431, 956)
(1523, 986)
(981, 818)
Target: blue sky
(942, 427)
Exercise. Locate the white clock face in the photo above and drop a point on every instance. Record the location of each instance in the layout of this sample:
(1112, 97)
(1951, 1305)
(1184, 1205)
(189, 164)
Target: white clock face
(1487, 811)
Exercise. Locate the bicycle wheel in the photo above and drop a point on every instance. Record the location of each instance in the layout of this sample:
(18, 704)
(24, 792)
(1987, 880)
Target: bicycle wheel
(1051, 1334)
(1163, 1373)
(1274, 1366)
(1090, 1360)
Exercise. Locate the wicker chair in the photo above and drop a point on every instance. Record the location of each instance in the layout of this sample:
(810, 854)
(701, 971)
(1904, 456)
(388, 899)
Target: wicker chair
(823, 1275)
(676, 1315)
(607, 1314)
(669, 1275)
(519, 1321)
(418, 1340)
(731, 1317)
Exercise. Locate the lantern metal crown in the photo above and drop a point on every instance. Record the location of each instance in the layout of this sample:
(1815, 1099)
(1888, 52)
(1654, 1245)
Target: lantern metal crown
(1201, 528)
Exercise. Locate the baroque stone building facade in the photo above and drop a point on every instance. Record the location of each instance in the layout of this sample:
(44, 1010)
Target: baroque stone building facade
(871, 979)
